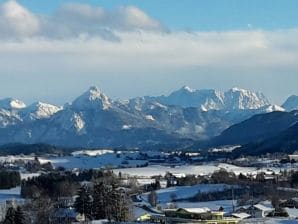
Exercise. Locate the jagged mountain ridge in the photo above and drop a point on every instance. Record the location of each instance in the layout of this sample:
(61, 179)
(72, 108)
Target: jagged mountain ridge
(210, 99)
(95, 120)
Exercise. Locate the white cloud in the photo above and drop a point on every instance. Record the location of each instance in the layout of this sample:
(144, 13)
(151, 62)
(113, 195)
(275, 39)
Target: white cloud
(131, 17)
(73, 20)
(143, 50)
(16, 21)
(234, 49)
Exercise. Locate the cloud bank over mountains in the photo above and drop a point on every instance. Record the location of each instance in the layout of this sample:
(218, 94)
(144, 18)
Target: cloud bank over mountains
(82, 45)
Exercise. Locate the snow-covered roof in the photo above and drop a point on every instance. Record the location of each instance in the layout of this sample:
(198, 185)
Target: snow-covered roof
(102, 221)
(263, 208)
(196, 210)
(179, 175)
(241, 215)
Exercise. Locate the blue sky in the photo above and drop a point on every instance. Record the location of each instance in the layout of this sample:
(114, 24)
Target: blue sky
(199, 14)
(52, 50)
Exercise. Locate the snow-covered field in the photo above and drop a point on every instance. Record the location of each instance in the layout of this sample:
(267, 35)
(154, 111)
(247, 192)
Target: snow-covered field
(206, 169)
(11, 159)
(92, 152)
(10, 194)
(162, 170)
(103, 158)
(28, 175)
(88, 162)
(84, 159)
(185, 192)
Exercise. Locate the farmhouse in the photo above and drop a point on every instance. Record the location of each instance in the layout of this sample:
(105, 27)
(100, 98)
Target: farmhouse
(259, 211)
(194, 215)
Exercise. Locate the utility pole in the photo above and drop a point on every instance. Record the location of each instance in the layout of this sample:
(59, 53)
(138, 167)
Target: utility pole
(233, 198)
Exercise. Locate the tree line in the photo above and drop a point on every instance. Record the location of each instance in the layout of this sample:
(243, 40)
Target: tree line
(98, 195)
(104, 201)
(9, 179)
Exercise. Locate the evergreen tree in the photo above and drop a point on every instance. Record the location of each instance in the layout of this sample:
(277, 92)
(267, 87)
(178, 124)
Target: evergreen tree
(111, 202)
(83, 203)
(152, 198)
(19, 217)
(294, 179)
(9, 179)
(100, 201)
(10, 216)
(119, 206)
(123, 208)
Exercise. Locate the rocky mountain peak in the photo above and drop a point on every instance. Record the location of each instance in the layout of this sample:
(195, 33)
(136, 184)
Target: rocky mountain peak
(93, 98)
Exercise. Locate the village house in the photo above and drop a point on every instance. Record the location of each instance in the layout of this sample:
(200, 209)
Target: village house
(259, 211)
(197, 215)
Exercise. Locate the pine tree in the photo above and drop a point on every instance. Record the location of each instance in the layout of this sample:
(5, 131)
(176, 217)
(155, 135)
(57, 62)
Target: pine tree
(100, 201)
(120, 205)
(152, 198)
(10, 216)
(111, 202)
(19, 217)
(124, 207)
(83, 203)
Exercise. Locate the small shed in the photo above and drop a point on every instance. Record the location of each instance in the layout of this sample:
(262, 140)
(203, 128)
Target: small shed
(259, 211)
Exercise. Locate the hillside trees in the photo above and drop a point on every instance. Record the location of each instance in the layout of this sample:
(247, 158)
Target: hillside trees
(14, 216)
(110, 202)
(9, 179)
(83, 202)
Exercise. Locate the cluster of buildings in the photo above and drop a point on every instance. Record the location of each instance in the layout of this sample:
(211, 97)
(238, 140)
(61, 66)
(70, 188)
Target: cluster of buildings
(259, 211)
(190, 215)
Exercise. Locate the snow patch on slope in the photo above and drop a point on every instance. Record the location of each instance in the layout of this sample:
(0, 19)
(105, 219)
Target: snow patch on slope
(40, 110)
(126, 127)
(272, 108)
(79, 124)
(149, 117)
(12, 104)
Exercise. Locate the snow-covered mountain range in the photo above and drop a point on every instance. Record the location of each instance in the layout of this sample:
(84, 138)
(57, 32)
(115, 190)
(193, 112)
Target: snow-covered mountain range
(210, 99)
(95, 120)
